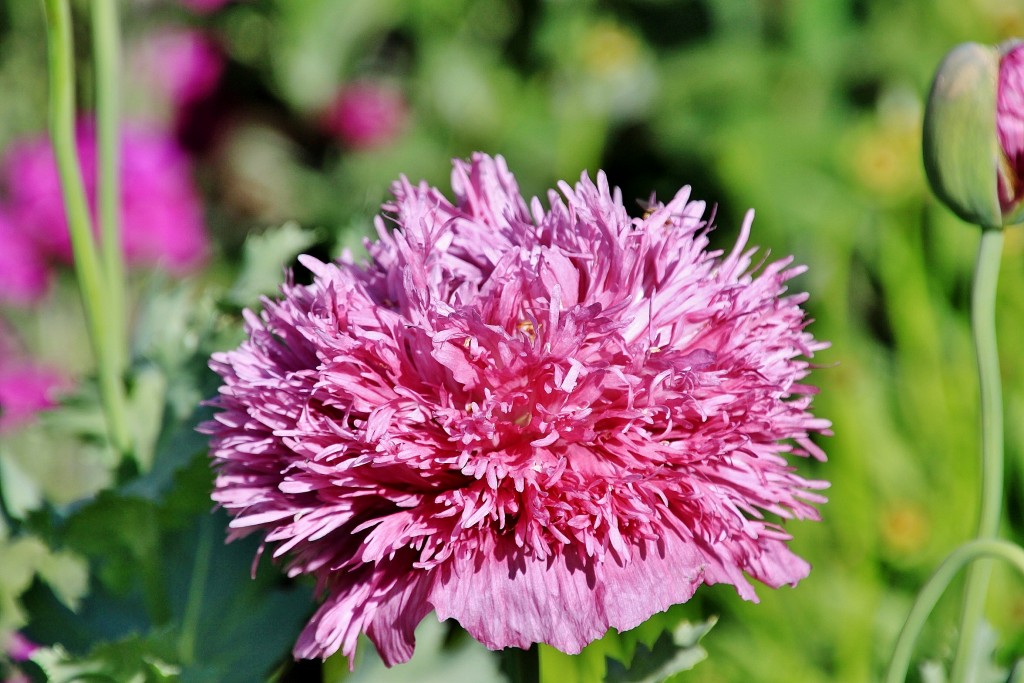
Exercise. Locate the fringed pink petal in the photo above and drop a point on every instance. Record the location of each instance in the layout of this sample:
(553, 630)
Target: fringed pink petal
(540, 423)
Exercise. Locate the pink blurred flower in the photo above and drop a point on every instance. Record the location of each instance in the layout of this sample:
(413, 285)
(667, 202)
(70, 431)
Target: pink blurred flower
(204, 6)
(162, 219)
(24, 273)
(184, 64)
(19, 648)
(26, 388)
(538, 423)
(366, 114)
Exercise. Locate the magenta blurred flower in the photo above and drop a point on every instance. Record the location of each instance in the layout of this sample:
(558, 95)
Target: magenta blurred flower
(24, 273)
(205, 6)
(184, 64)
(26, 389)
(19, 648)
(162, 218)
(366, 114)
(538, 423)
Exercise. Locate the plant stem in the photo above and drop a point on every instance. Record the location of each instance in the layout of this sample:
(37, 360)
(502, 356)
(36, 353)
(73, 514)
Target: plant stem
(522, 666)
(196, 592)
(107, 58)
(983, 305)
(91, 281)
(936, 586)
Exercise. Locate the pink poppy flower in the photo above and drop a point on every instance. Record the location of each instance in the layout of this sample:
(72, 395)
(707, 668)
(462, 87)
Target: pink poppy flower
(26, 388)
(366, 114)
(162, 218)
(541, 423)
(182, 64)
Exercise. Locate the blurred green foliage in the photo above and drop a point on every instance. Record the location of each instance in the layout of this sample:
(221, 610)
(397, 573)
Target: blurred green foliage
(809, 112)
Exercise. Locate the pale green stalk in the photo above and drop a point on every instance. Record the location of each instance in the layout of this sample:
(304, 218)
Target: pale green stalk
(107, 58)
(196, 592)
(983, 311)
(523, 666)
(936, 586)
(91, 279)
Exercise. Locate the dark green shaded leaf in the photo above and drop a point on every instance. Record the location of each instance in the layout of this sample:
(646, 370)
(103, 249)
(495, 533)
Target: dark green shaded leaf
(264, 261)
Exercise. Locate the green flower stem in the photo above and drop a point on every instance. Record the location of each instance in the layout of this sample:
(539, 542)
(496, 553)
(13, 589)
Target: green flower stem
(87, 264)
(107, 59)
(196, 592)
(983, 311)
(936, 586)
(523, 666)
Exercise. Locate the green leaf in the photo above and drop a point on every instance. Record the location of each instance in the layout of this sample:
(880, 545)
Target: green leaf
(264, 259)
(67, 575)
(240, 626)
(62, 458)
(316, 40)
(432, 662)
(585, 667)
(180, 448)
(65, 471)
(190, 606)
(20, 492)
(672, 653)
(173, 323)
(26, 557)
(146, 398)
(601, 657)
(177, 330)
(135, 659)
(981, 667)
(121, 536)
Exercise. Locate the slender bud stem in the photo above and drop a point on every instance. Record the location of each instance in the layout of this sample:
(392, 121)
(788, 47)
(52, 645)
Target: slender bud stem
(196, 592)
(983, 304)
(936, 586)
(91, 279)
(106, 56)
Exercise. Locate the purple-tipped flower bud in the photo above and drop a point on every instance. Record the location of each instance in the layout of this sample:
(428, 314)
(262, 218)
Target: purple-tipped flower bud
(1010, 127)
(974, 133)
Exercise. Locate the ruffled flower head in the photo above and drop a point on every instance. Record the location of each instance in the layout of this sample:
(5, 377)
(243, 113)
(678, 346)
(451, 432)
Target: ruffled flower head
(539, 423)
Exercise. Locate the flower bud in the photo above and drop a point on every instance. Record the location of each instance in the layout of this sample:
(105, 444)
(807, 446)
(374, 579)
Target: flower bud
(974, 133)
